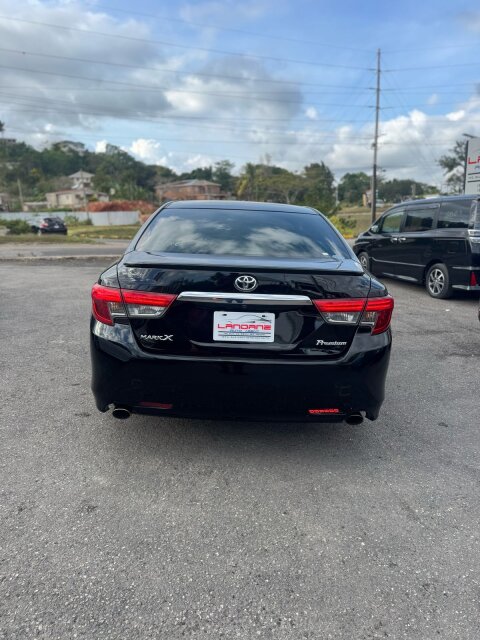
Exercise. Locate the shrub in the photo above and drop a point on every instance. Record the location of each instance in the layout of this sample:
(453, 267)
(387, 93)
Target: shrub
(16, 227)
(71, 221)
(344, 225)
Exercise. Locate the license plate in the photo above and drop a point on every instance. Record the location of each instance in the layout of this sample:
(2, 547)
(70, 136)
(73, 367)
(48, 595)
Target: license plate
(242, 326)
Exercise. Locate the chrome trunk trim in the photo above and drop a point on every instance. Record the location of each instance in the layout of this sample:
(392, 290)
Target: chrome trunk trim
(243, 298)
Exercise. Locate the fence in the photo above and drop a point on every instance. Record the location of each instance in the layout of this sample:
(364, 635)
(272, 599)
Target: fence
(98, 218)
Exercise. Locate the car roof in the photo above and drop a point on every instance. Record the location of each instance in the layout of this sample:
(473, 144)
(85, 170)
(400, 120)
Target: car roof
(239, 205)
(462, 196)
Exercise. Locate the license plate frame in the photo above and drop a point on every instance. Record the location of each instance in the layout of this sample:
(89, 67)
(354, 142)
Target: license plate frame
(244, 326)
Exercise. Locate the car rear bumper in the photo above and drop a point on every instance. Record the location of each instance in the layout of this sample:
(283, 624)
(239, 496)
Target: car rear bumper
(249, 388)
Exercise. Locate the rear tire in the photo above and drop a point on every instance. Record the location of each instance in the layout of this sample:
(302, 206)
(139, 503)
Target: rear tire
(364, 260)
(437, 282)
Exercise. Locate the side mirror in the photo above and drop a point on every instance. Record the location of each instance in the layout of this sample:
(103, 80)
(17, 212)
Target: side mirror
(374, 228)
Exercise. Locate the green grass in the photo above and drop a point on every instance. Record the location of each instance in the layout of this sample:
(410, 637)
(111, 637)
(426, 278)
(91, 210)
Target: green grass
(87, 234)
(362, 218)
(120, 232)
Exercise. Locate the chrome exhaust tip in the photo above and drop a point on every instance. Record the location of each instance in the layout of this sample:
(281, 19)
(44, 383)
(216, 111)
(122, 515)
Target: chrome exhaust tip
(354, 418)
(121, 413)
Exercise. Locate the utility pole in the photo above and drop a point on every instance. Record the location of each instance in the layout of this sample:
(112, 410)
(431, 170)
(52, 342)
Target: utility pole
(20, 192)
(375, 143)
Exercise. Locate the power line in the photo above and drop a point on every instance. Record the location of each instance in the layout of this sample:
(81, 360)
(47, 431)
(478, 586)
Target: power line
(170, 116)
(433, 66)
(157, 89)
(223, 155)
(426, 163)
(174, 71)
(439, 48)
(45, 104)
(171, 89)
(185, 46)
(233, 30)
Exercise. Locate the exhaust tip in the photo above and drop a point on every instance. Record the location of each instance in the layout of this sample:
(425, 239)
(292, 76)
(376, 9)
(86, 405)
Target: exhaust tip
(354, 418)
(121, 413)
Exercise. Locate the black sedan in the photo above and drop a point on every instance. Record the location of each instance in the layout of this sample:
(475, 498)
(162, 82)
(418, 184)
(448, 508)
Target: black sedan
(47, 225)
(240, 310)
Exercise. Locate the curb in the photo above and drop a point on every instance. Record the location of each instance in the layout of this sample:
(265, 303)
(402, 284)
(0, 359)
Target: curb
(87, 258)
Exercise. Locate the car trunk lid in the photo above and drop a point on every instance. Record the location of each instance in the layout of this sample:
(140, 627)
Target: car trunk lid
(210, 317)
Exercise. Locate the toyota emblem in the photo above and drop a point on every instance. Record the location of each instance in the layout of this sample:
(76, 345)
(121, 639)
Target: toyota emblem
(245, 283)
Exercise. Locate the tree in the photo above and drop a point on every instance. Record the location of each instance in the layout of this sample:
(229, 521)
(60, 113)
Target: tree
(2, 126)
(129, 178)
(247, 184)
(352, 187)
(453, 163)
(396, 190)
(318, 187)
(279, 185)
(200, 173)
(222, 173)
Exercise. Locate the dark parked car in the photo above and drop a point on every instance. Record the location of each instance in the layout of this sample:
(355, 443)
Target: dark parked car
(240, 309)
(43, 226)
(435, 242)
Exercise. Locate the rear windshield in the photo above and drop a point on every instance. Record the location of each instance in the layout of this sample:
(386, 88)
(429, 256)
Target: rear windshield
(242, 233)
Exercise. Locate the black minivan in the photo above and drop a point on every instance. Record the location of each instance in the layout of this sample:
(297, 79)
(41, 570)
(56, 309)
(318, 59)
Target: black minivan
(434, 241)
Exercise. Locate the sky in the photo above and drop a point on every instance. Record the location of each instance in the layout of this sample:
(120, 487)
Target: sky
(187, 84)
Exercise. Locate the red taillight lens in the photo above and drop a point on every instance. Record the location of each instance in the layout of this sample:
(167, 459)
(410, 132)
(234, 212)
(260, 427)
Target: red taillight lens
(341, 310)
(473, 279)
(378, 314)
(371, 312)
(109, 303)
(142, 304)
(106, 303)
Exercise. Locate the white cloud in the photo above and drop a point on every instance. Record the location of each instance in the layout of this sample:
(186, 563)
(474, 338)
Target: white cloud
(147, 150)
(455, 116)
(238, 103)
(101, 146)
(233, 11)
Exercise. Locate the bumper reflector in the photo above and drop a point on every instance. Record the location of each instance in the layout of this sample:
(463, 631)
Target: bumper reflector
(317, 412)
(156, 405)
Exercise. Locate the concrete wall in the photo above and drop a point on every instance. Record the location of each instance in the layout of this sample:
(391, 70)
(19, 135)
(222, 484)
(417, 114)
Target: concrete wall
(99, 218)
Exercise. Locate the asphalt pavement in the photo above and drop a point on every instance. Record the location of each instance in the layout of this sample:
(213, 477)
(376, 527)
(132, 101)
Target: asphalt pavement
(42, 250)
(167, 528)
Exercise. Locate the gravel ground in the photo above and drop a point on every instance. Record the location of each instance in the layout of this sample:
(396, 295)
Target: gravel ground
(168, 528)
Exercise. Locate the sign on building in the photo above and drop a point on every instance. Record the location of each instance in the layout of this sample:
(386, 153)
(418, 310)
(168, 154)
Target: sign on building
(472, 169)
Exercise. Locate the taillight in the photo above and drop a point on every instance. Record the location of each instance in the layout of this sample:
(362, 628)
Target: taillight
(473, 279)
(106, 304)
(378, 314)
(375, 313)
(341, 311)
(141, 304)
(109, 303)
